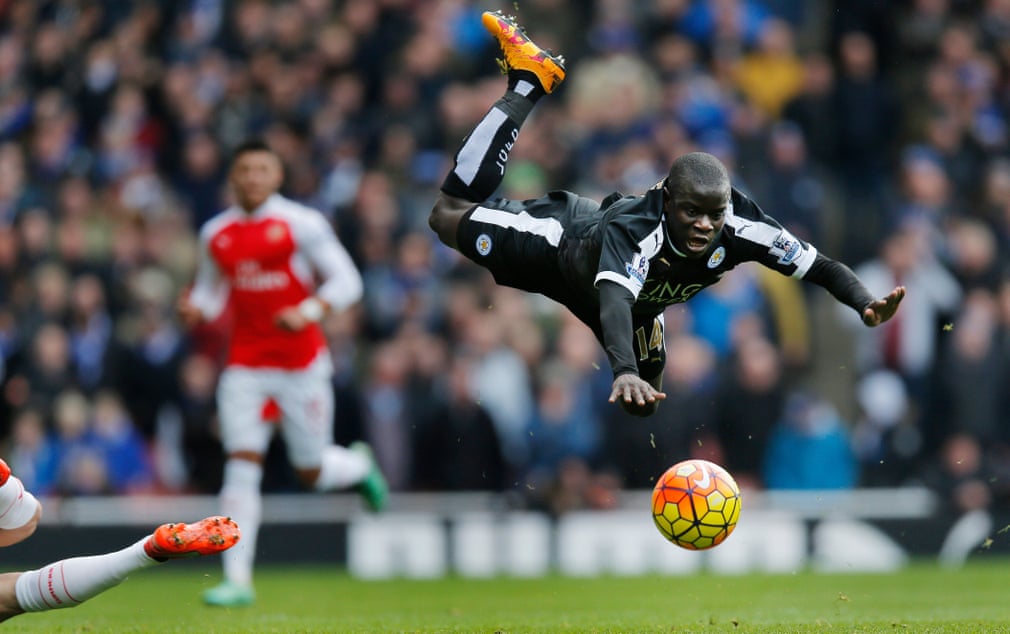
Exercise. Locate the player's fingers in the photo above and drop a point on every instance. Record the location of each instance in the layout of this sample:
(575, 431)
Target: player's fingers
(870, 317)
(632, 394)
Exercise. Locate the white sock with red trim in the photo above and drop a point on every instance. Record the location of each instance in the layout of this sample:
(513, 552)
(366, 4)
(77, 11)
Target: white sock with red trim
(70, 582)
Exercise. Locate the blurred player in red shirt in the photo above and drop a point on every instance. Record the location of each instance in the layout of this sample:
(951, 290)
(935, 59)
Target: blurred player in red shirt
(262, 255)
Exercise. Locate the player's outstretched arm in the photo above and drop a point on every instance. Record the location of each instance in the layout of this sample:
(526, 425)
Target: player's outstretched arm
(880, 310)
(636, 395)
(839, 280)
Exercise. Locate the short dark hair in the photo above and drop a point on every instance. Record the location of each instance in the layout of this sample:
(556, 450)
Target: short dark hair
(250, 145)
(698, 167)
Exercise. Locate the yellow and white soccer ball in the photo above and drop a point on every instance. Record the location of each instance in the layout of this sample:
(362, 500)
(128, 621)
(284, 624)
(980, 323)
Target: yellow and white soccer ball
(696, 504)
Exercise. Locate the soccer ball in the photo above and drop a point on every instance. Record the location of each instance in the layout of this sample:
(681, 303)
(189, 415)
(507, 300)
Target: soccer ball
(696, 504)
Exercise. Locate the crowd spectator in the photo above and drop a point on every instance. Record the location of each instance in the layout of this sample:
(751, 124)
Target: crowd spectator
(809, 447)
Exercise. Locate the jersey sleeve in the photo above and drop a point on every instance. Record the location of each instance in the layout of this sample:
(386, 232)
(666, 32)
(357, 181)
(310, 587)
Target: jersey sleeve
(210, 289)
(341, 281)
(624, 256)
(765, 241)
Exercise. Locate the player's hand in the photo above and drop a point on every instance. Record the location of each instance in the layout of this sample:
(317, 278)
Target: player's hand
(291, 319)
(883, 309)
(636, 395)
(189, 315)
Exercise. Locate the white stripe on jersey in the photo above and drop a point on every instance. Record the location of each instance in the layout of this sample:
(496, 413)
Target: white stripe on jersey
(766, 235)
(548, 228)
(648, 247)
(623, 280)
(472, 154)
(805, 261)
(652, 243)
(753, 231)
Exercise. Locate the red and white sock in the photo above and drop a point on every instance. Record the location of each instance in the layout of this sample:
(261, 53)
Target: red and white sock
(70, 582)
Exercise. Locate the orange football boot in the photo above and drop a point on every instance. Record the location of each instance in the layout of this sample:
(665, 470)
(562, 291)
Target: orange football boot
(206, 537)
(521, 53)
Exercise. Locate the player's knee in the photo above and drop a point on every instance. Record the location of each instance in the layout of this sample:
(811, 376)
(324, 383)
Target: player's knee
(308, 477)
(445, 216)
(440, 223)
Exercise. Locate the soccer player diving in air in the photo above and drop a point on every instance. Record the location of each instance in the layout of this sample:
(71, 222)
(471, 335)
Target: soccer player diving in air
(619, 263)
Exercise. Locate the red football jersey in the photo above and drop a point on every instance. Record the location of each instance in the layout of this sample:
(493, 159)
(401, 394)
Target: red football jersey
(267, 260)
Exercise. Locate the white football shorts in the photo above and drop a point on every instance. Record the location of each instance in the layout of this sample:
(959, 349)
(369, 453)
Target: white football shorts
(305, 400)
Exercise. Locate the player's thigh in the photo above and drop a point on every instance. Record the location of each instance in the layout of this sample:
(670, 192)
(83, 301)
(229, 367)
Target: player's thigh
(517, 241)
(649, 343)
(306, 403)
(241, 394)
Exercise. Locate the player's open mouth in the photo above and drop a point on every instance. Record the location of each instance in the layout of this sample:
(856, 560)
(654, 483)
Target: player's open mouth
(697, 243)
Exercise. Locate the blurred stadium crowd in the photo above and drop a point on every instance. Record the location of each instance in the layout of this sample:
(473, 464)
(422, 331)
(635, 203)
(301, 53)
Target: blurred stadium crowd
(876, 130)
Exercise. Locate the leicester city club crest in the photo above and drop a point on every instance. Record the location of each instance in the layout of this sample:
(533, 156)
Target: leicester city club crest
(717, 257)
(483, 244)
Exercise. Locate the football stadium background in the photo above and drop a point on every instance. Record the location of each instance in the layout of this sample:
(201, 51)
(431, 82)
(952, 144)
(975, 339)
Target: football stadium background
(875, 130)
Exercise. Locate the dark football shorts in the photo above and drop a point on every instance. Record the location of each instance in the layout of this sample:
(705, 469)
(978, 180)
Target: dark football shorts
(517, 241)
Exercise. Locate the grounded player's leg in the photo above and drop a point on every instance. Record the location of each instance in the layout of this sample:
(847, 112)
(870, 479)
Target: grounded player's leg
(70, 582)
(480, 162)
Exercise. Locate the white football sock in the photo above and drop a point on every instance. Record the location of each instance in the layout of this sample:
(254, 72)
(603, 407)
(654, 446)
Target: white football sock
(240, 500)
(70, 582)
(340, 467)
(17, 505)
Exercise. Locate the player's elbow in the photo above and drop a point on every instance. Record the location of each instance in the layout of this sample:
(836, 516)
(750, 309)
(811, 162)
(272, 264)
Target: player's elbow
(355, 291)
(340, 297)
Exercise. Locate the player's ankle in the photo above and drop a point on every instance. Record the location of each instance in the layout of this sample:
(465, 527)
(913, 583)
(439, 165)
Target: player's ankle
(525, 83)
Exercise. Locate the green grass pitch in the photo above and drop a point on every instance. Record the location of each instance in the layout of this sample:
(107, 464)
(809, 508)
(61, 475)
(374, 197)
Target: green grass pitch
(921, 599)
